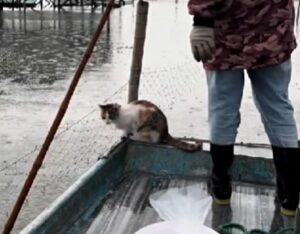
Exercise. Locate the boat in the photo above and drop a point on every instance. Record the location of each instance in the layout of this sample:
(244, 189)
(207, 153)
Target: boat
(112, 197)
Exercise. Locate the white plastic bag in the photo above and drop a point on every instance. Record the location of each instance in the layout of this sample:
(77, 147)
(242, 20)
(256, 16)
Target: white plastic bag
(183, 210)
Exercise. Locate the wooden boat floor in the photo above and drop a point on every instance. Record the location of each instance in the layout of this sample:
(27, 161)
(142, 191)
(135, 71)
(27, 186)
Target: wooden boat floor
(127, 208)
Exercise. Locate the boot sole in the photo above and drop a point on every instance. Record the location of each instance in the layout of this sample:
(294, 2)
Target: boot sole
(288, 213)
(222, 202)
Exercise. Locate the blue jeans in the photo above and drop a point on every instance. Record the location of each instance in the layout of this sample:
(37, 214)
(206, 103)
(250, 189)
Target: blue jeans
(270, 93)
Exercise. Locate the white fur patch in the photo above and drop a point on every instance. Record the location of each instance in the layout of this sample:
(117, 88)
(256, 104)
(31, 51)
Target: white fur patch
(107, 120)
(128, 117)
(129, 121)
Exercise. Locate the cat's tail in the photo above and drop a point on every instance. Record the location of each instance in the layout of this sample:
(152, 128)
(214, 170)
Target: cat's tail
(183, 145)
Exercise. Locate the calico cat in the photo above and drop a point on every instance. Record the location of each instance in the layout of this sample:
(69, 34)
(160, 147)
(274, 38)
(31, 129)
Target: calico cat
(143, 121)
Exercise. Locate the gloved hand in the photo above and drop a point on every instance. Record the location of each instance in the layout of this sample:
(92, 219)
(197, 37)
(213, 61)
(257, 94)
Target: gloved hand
(202, 43)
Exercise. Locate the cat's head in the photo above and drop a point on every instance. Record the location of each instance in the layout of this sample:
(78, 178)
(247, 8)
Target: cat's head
(109, 112)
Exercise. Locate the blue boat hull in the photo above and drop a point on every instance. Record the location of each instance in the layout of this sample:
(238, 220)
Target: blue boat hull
(84, 207)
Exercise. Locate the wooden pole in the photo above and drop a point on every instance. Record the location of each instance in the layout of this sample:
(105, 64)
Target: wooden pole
(138, 50)
(59, 116)
(297, 224)
(297, 16)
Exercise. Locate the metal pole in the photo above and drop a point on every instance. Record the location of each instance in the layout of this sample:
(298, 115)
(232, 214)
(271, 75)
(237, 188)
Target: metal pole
(58, 118)
(138, 50)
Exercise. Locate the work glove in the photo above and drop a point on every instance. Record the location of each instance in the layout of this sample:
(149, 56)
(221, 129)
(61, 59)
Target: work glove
(202, 43)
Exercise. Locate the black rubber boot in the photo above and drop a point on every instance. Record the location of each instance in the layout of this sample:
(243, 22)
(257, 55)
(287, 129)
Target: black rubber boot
(220, 183)
(287, 164)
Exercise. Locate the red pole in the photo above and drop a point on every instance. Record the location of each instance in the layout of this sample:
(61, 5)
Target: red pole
(53, 129)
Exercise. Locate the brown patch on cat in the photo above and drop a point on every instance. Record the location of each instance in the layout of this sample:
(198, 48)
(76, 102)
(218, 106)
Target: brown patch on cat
(183, 145)
(144, 103)
(145, 114)
(154, 120)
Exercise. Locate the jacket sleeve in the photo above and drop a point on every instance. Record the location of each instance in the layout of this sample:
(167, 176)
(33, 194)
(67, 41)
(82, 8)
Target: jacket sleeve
(208, 8)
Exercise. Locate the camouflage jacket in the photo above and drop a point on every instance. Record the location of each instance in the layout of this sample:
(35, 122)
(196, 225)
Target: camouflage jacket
(248, 33)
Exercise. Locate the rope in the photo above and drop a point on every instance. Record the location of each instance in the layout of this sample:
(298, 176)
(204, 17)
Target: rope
(235, 228)
(244, 144)
(286, 231)
(56, 123)
(18, 159)
(257, 231)
(232, 228)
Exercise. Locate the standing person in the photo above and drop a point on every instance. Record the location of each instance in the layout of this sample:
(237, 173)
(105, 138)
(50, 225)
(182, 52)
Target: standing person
(230, 36)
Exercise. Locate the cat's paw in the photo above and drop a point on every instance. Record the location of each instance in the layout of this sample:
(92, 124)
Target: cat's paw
(102, 157)
(198, 145)
(126, 136)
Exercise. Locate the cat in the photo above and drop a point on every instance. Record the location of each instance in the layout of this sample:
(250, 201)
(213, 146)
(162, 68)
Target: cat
(143, 121)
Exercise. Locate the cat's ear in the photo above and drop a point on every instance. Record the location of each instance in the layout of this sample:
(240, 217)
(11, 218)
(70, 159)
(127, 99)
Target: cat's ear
(102, 107)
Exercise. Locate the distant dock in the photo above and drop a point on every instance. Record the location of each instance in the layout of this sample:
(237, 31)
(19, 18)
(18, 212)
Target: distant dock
(24, 4)
(19, 3)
